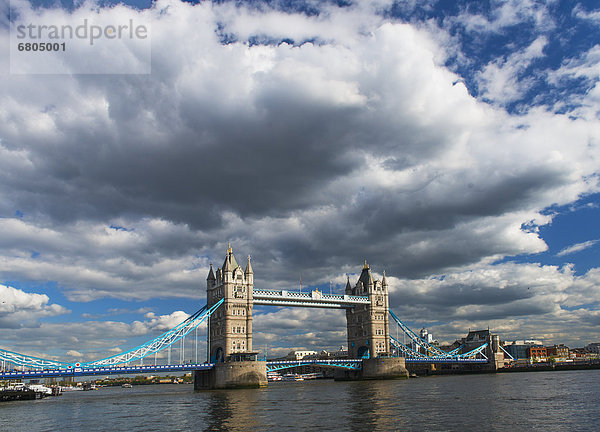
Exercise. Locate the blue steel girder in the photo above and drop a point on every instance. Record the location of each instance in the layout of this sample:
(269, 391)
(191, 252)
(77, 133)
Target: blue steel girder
(353, 364)
(29, 361)
(416, 338)
(445, 360)
(474, 352)
(449, 356)
(112, 370)
(155, 345)
(161, 342)
(456, 350)
(406, 350)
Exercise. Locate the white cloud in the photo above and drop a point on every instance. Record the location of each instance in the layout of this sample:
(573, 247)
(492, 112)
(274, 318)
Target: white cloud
(165, 322)
(501, 80)
(508, 13)
(578, 247)
(19, 308)
(580, 13)
(93, 261)
(515, 300)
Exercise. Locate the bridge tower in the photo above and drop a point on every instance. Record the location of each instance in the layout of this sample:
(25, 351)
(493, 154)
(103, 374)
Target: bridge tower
(230, 334)
(368, 325)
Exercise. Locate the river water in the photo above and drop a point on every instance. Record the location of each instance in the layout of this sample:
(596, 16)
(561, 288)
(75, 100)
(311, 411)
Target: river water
(548, 401)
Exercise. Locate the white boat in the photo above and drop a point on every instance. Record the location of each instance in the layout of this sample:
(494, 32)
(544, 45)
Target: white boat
(38, 388)
(292, 377)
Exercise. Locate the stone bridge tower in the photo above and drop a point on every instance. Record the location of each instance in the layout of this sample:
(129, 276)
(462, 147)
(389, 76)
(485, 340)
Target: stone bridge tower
(368, 325)
(230, 326)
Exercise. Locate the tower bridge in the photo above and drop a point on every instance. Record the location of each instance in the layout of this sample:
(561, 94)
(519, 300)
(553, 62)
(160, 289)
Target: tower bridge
(231, 361)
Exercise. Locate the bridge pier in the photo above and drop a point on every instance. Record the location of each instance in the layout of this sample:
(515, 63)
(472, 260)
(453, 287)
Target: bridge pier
(232, 375)
(378, 368)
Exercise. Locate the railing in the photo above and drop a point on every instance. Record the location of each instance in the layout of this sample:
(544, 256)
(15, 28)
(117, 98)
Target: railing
(308, 299)
(109, 370)
(138, 353)
(353, 364)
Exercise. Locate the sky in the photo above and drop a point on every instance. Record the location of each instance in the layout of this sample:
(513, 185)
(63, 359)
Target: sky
(453, 144)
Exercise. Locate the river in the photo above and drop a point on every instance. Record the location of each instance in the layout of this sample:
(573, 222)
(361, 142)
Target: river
(548, 401)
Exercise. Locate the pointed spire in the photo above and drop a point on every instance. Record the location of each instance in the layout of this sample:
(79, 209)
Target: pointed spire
(249, 267)
(366, 277)
(227, 262)
(211, 274)
(384, 280)
(348, 286)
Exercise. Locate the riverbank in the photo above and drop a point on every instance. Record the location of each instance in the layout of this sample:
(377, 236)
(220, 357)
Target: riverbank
(14, 395)
(545, 367)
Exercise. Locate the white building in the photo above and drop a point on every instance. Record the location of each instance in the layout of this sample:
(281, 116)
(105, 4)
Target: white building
(299, 355)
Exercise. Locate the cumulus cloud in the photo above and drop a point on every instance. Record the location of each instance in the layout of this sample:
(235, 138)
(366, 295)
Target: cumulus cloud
(513, 299)
(165, 322)
(92, 340)
(19, 308)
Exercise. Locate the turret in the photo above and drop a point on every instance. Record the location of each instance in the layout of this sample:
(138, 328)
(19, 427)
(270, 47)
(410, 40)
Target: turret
(249, 273)
(211, 280)
(229, 265)
(348, 286)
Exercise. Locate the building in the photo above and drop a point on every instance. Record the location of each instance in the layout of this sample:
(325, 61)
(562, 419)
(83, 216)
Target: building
(593, 348)
(538, 354)
(560, 351)
(230, 327)
(368, 325)
(519, 350)
(299, 355)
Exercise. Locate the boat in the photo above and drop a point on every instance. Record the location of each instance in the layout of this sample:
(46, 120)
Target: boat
(39, 388)
(292, 377)
(126, 385)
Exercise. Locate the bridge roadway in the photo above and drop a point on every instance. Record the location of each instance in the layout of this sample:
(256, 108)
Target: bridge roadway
(271, 366)
(314, 298)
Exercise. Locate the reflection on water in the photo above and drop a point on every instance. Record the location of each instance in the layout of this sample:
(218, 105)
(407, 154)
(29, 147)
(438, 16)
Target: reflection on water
(549, 401)
(230, 410)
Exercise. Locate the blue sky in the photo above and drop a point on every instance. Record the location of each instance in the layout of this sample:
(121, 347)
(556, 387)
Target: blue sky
(454, 144)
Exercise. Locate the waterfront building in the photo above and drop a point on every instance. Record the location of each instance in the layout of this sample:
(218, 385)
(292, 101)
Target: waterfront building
(538, 354)
(299, 355)
(561, 351)
(593, 348)
(519, 350)
(426, 336)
